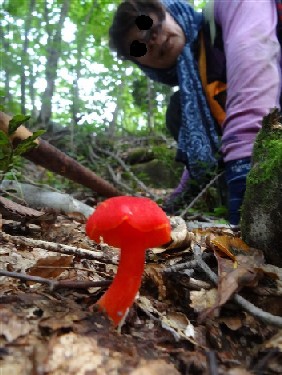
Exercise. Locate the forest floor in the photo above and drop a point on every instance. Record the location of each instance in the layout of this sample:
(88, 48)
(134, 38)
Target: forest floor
(181, 322)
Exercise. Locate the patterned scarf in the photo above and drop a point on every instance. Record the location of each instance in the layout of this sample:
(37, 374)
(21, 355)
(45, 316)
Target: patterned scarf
(198, 141)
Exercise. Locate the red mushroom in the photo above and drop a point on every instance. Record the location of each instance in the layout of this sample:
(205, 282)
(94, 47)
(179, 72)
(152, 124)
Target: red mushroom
(132, 224)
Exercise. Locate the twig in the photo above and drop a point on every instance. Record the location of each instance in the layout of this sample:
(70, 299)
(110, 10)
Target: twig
(178, 267)
(199, 196)
(246, 305)
(57, 247)
(54, 284)
(181, 266)
(212, 362)
(124, 186)
(127, 169)
(159, 321)
(260, 366)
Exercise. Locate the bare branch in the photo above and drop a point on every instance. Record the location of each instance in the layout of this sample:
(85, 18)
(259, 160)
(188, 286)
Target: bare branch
(246, 305)
(57, 248)
(199, 196)
(127, 169)
(54, 284)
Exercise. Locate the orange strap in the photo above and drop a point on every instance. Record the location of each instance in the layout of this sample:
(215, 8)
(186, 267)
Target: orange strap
(210, 89)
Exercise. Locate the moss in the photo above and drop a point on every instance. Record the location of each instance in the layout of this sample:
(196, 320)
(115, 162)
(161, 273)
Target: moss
(267, 158)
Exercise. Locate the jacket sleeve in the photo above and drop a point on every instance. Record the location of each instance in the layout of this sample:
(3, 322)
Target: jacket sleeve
(253, 70)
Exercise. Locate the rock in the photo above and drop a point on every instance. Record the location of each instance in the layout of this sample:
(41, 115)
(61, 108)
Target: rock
(261, 217)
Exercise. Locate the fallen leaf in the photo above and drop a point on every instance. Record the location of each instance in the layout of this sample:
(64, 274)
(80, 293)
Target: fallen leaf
(203, 299)
(155, 368)
(232, 280)
(12, 326)
(51, 266)
(238, 371)
(228, 245)
(234, 323)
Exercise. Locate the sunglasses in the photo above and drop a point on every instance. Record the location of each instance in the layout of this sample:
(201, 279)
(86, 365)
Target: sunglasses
(146, 25)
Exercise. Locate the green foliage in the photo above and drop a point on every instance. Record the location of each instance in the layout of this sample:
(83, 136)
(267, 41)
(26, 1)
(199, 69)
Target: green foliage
(9, 154)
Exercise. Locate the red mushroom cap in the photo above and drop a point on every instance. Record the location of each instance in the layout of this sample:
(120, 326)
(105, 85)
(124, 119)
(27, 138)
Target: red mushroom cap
(122, 219)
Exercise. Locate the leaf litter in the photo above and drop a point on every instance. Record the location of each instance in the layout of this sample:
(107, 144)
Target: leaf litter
(181, 321)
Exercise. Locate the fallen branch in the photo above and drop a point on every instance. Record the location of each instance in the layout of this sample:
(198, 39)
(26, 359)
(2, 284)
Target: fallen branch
(57, 248)
(115, 179)
(93, 156)
(55, 284)
(246, 305)
(199, 196)
(127, 169)
(41, 198)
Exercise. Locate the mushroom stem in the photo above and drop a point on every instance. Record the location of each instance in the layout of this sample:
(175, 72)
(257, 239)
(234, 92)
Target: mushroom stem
(120, 295)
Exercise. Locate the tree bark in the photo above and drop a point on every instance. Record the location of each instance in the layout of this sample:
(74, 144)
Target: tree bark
(53, 54)
(25, 54)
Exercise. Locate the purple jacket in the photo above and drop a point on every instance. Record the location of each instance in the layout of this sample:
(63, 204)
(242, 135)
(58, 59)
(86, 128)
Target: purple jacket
(253, 68)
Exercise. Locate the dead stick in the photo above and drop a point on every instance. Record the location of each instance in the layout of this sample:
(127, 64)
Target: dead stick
(246, 305)
(57, 248)
(54, 284)
(56, 161)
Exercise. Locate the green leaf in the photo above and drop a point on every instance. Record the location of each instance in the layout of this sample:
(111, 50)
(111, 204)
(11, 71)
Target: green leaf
(4, 139)
(28, 143)
(15, 122)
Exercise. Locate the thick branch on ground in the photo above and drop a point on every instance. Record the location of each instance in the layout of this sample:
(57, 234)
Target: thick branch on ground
(41, 198)
(56, 161)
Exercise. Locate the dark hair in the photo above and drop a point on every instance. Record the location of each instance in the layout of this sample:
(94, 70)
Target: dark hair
(125, 18)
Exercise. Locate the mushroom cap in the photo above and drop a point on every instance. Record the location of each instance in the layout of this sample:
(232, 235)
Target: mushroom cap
(123, 220)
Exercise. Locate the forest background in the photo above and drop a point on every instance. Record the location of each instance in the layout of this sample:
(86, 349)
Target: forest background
(56, 67)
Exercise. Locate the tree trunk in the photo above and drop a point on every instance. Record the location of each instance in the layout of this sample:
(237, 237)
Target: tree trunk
(53, 55)
(113, 124)
(6, 67)
(25, 54)
(80, 43)
(150, 113)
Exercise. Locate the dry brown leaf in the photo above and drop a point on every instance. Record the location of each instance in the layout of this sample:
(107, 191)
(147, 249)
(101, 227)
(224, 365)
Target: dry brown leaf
(12, 326)
(239, 371)
(275, 342)
(155, 368)
(154, 272)
(180, 323)
(51, 266)
(234, 323)
(180, 236)
(78, 355)
(60, 321)
(203, 299)
(230, 246)
(232, 280)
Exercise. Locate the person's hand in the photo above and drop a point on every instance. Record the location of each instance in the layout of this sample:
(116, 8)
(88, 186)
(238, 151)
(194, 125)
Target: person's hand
(175, 199)
(236, 172)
